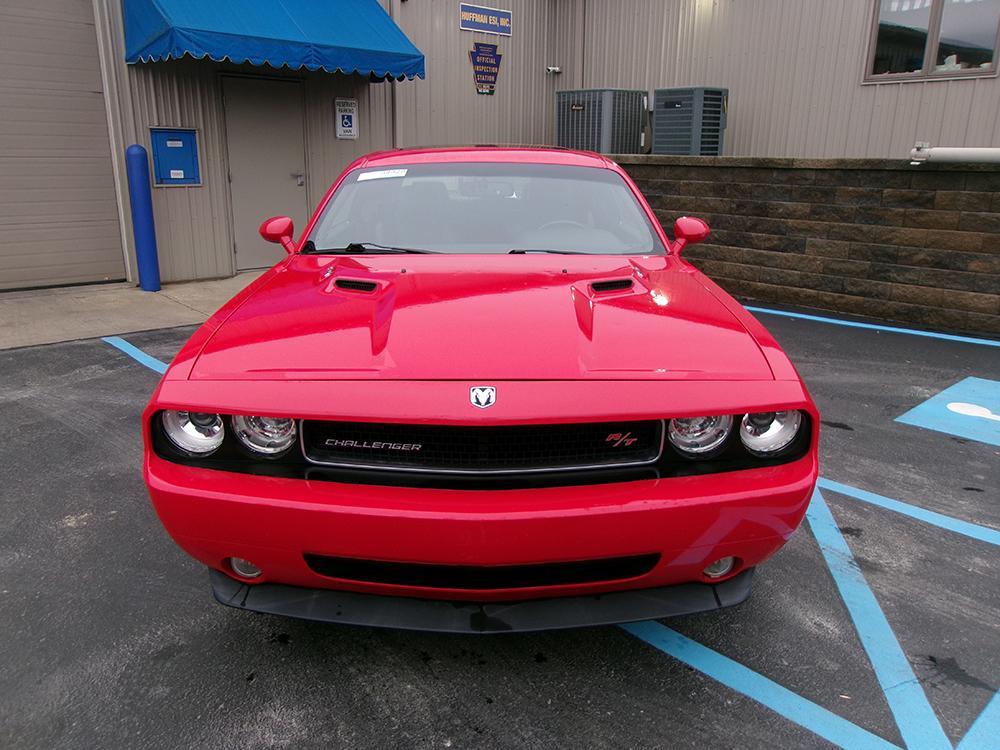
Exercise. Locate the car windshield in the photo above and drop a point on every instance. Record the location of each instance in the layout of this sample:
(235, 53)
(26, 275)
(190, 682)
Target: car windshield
(485, 208)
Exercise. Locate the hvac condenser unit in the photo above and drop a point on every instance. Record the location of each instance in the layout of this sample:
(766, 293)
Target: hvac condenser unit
(609, 121)
(689, 122)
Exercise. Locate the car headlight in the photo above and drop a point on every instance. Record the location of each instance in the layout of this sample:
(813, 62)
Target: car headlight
(266, 436)
(699, 436)
(194, 432)
(767, 432)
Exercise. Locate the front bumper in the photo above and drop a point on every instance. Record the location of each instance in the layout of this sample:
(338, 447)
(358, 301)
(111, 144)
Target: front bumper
(348, 608)
(689, 522)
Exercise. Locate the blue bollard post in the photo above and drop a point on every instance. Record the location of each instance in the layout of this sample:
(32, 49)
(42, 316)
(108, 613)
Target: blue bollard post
(143, 229)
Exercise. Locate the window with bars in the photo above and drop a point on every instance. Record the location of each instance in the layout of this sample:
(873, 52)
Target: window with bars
(930, 39)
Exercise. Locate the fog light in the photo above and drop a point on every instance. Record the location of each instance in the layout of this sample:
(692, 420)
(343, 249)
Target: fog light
(720, 567)
(244, 568)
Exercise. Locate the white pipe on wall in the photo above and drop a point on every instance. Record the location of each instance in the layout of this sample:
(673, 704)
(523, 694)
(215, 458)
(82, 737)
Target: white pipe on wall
(924, 152)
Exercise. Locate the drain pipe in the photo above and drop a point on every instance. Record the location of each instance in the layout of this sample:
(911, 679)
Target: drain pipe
(924, 152)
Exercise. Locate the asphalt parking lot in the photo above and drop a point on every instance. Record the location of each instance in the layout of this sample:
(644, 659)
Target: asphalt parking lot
(877, 626)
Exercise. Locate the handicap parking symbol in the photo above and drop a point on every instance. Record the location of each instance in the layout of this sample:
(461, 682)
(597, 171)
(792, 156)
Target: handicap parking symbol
(347, 121)
(968, 409)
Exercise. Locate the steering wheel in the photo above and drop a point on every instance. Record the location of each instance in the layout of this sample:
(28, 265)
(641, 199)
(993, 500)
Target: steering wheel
(564, 222)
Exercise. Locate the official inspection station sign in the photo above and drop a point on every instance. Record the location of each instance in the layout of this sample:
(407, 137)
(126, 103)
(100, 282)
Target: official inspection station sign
(485, 20)
(485, 67)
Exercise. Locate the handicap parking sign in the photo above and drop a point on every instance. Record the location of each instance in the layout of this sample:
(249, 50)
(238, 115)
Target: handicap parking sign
(346, 113)
(968, 409)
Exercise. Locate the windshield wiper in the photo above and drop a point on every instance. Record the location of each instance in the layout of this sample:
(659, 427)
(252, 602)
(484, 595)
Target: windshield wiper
(361, 247)
(523, 251)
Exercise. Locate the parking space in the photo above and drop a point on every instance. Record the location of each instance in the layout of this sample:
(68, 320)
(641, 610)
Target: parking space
(876, 626)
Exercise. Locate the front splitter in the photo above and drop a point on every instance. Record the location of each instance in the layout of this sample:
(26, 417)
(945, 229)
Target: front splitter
(350, 608)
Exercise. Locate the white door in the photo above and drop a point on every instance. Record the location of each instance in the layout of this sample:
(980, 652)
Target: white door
(264, 133)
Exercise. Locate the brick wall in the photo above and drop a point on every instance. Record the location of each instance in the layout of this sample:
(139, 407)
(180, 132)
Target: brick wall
(871, 237)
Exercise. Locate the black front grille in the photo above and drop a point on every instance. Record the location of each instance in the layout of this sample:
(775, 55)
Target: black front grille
(481, 450)
(483, 577)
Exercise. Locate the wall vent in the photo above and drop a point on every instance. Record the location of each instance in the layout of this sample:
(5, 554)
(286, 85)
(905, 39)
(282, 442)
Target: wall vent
(689, 122)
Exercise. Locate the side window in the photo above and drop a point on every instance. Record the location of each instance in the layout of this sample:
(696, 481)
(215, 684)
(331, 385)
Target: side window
(932, 39)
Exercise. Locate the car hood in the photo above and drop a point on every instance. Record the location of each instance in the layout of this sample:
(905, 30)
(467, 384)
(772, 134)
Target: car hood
(482, 318)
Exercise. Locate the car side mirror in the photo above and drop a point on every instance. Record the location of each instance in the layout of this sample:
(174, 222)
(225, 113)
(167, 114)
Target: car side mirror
(689, 230)
(279, 229)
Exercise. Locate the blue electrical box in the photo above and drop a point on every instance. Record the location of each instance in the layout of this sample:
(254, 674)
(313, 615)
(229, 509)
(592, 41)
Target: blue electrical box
(175, 156)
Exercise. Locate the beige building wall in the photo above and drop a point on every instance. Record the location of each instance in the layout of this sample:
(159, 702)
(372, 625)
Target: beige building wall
(793, 69)
(445, 107)
(194, 223)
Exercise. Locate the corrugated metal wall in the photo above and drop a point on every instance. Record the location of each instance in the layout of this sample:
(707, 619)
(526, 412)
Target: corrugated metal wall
(326, 156)
(794, 71)
(58, 213)
(793, 67)
(193, 223)
(445, 108)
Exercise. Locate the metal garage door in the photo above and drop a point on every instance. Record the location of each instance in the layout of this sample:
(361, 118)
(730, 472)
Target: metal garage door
(58, 213)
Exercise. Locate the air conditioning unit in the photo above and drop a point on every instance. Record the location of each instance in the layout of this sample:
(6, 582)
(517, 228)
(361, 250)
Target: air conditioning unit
(609, 121)
(689, 122)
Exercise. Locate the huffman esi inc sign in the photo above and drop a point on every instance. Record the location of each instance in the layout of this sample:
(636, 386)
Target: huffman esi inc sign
(485, 20)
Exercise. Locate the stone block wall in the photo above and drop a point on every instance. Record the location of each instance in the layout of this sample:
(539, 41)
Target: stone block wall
(879, 238)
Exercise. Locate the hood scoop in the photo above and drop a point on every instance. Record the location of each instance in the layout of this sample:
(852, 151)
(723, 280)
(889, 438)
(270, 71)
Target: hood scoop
(606, 291)
(612, 285)
(356, 285)
(364, 303)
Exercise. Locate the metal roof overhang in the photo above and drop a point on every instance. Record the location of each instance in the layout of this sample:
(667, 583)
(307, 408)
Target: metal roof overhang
(338, 36)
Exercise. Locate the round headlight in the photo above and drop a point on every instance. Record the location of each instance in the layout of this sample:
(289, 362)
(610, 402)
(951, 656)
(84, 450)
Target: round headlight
(767, 432)
(267, 436)
(194, 432)
(699, 436)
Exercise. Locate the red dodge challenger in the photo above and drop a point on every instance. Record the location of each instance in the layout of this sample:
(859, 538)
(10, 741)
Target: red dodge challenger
(484, 392)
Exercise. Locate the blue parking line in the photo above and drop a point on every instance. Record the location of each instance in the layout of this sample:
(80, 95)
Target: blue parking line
(876, 327)
(914, 716)
(730, 673)
(982, 735)
(135, 353)
(917, 722)
(982, 533)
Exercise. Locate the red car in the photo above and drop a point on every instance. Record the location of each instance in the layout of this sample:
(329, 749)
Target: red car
(484, 392)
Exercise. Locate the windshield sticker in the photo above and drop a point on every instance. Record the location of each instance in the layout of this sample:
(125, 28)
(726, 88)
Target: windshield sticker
(381, 174)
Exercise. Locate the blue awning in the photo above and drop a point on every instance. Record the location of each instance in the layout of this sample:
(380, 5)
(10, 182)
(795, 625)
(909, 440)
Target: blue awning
(342, 36)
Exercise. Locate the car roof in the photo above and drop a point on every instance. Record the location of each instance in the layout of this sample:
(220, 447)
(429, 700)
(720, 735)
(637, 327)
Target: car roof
(511, 154)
